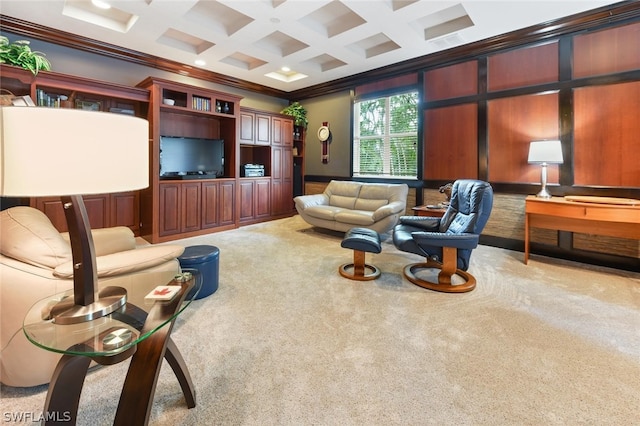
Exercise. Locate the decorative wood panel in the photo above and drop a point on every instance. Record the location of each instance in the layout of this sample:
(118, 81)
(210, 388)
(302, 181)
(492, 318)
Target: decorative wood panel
(455, 129)
(606, 129)
(451, 82)
(523, 67)
(607, 51)
(512, 124)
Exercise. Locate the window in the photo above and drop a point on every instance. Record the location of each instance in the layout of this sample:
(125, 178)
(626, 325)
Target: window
(385, 140)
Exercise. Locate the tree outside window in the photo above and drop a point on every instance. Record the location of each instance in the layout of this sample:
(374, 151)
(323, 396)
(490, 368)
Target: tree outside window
(385, 140)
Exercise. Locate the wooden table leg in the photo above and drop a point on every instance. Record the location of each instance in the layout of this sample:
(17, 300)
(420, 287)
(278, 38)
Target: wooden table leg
(63, 396)
(139, 386)
(179, 367)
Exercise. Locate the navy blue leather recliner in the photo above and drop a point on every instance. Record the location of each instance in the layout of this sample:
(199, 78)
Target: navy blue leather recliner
(447, 242)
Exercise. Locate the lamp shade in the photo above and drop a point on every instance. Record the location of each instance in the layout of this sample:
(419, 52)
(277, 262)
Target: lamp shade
(56, 151)
(549, 152)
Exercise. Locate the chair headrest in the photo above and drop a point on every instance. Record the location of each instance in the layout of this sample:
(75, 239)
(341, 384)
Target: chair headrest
(472, 200)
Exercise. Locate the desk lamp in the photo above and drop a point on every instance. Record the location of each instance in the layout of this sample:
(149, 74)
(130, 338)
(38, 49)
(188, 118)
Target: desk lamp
(544, 153)
(70, 153)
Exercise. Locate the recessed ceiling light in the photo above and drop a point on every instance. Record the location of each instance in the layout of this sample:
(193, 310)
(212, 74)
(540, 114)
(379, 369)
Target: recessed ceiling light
(101, 4)
(285, 69)
(200, 62)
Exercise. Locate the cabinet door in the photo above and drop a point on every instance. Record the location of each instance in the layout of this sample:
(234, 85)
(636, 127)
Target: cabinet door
(263, 198)
(281, 131)
(191, 206)
(210, 204)
(169, 209)
(276, 197)
(286, 201)
(263, 129)
(247, 127)
(287, 132)
(227, 203)
(276, 131)
(246, 200)
(125, 210)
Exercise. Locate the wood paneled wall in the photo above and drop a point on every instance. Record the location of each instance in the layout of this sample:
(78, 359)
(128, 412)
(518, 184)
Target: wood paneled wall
(584, 89)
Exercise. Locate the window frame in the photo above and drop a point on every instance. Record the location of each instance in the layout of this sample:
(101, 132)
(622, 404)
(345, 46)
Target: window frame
(387, 136)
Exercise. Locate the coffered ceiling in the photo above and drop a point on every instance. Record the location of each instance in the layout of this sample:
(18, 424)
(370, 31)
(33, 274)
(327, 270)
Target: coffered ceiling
(290, 44)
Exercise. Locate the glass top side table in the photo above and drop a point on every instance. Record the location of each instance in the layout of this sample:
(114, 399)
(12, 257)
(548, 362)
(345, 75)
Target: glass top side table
(128, 332)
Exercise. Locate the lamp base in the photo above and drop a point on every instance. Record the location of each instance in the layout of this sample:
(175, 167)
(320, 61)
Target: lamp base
(543, 193)
(109, 300)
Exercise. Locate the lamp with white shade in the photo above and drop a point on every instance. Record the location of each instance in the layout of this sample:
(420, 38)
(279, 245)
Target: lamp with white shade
(544, 153)
(70, 153)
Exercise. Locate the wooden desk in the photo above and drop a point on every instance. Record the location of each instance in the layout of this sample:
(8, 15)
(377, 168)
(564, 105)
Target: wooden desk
(429, 211)
(622, 221)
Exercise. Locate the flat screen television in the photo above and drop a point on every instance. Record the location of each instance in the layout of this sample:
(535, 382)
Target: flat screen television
(191, 158)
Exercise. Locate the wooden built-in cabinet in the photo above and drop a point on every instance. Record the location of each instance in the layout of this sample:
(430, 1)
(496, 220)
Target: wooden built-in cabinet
(55, 90)
(176, 207)
(266, 139)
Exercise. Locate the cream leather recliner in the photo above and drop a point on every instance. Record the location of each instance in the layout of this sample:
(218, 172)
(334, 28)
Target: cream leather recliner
(36, 262)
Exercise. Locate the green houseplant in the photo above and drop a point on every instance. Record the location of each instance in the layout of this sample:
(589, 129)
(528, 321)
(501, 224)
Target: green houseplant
(19, 53)
(298, 113)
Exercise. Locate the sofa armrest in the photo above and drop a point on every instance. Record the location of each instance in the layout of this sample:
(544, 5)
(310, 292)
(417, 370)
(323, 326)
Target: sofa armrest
(394, 207)
(125, 262)
(305, 201)
(110, 240)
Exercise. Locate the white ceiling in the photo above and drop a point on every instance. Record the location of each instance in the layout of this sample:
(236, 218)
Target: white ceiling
(322, 39)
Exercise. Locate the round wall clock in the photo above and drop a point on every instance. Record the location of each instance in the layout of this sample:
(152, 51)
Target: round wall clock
(324, 133)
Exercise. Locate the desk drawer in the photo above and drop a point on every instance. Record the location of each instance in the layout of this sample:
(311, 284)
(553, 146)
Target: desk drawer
(606, 213)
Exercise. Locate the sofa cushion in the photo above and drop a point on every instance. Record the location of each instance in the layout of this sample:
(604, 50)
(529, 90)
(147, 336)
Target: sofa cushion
(373, 196)
(342, 201)
(369, 204)
(355, 217)
(323, 212)
(28, 235)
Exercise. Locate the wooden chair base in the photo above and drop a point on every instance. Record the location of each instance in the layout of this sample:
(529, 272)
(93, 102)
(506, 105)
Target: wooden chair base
(447, 268)
(358, 268)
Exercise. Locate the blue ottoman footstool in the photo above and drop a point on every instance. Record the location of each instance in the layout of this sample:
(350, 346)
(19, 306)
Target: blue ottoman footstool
(361, 241)
(205, 259)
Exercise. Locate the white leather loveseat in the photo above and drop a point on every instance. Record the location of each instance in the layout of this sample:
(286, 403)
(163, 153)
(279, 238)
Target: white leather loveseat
(346, 204)
(36, 263)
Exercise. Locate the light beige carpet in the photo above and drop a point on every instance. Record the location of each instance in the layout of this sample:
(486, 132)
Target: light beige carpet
(287, 341)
